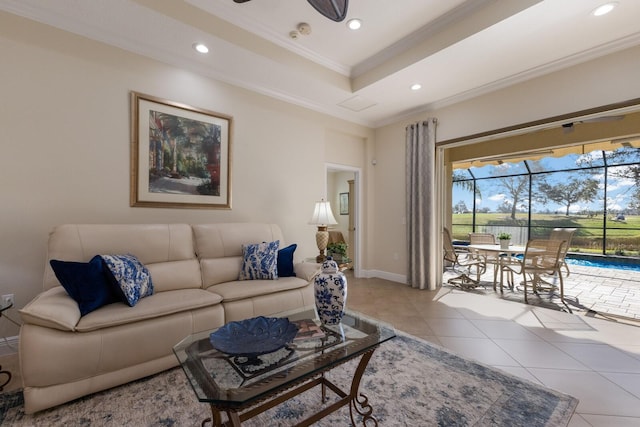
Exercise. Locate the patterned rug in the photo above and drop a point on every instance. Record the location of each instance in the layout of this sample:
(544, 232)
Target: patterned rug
(409, 382)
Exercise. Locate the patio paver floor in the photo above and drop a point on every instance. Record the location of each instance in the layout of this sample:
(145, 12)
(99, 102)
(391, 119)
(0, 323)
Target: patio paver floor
(606, 292)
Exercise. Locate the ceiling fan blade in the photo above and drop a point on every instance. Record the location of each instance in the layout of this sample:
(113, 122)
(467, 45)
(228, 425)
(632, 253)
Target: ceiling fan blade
(336, 10)
(241, 1)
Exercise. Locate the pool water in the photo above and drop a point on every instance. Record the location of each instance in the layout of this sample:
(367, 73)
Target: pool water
(603, 263)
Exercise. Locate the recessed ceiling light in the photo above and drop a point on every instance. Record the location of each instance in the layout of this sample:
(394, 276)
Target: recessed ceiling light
(416, 86)
(604, 9)
(199, 47)
(354, 24)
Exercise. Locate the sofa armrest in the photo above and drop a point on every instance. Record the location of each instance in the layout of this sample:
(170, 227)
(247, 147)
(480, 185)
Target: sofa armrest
(306, 270)
(53, 308)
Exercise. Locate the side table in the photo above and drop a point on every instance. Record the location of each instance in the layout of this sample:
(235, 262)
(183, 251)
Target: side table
(4, 308)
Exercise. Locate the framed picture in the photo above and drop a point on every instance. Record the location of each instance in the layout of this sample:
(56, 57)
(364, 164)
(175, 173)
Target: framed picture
(180, 155)
(344, 203)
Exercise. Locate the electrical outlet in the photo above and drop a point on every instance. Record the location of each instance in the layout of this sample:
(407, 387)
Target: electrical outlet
(7, 299)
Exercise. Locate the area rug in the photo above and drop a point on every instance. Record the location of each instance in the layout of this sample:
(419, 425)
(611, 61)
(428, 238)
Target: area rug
(409, 382)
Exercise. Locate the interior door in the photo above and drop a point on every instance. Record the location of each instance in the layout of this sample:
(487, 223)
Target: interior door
(352, 214)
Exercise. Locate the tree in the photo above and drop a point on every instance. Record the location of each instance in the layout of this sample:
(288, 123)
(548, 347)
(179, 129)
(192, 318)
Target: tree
(505, 207)
(629, 157)
(460, 179)
(461, 207)
(517, 188)
(574, 191)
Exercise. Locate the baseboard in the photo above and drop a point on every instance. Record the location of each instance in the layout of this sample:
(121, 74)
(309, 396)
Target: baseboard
(8, 345)
(393, 277)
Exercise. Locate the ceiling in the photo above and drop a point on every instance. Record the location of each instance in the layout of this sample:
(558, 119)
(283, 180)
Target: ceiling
(456, 49)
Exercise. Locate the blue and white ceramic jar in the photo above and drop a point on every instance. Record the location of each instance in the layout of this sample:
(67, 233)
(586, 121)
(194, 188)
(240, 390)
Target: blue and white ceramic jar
(331, 293)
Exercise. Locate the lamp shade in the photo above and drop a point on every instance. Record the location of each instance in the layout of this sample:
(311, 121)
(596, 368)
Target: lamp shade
(322, 214)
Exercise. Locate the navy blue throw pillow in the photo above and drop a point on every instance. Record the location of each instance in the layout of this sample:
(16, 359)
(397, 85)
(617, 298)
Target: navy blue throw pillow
(285, 261)
(85, 282)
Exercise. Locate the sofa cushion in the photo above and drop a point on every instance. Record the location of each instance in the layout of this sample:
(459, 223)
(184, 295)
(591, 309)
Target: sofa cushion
(173, 275)
(219, 247)
(155, 306)
(221, 240)
(129, 277)
(285, 261)
(240, 289)
(150, 243)
(85, 282)
(220, 270)
(52, 309)
(259, 261)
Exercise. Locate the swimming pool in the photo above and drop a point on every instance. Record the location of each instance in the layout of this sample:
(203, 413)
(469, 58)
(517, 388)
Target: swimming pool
(604, 262)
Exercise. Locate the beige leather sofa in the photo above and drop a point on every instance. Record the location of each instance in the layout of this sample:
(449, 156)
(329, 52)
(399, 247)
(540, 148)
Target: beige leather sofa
(194, 269)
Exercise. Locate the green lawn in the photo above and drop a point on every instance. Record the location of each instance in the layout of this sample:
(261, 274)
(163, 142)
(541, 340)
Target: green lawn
(623, 237)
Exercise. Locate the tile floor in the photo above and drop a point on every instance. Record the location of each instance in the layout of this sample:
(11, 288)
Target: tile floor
(595, 360)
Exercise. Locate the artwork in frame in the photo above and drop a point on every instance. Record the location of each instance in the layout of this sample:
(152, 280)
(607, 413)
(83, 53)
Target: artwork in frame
(344, 203)
(180, 155)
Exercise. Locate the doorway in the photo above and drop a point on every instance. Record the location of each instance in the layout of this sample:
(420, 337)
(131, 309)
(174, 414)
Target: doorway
(344, 192)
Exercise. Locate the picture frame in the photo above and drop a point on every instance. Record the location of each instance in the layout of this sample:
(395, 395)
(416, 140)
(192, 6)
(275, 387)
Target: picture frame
(180, 155)
(344, 203)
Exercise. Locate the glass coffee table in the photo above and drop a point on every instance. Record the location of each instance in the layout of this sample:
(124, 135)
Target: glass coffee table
(243, 387)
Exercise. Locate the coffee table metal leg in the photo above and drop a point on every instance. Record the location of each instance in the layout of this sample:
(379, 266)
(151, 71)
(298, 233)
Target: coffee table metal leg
(8, 374)
(359, 401)
(234, 418)
(216, 420)
(323, 393)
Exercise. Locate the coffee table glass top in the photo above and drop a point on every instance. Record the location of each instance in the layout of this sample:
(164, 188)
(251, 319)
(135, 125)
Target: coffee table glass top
(236, 381)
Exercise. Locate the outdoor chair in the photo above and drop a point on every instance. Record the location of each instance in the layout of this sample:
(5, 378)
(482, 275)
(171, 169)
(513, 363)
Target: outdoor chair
(488, 257)
(542, 257)
(565, 234)
(482, 239)
(463, 262)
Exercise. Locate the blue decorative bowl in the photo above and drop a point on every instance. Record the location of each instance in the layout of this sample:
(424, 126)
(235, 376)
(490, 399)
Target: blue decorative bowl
(253, 337)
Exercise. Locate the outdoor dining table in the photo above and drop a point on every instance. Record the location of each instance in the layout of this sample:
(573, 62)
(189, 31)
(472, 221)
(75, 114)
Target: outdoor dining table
(499, 252)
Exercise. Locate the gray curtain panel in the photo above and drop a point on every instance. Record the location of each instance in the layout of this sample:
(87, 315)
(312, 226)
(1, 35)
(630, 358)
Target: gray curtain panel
(422, 241)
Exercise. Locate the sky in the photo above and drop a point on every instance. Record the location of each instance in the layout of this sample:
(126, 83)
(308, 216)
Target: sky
(619, 190)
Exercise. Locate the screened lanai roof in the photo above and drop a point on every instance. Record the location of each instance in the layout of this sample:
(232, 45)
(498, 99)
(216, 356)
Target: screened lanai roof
(553, 159)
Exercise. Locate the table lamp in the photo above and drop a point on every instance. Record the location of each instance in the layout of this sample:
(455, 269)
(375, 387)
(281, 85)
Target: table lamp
(322, 217)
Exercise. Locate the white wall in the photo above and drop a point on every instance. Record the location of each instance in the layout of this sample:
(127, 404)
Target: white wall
(64, 139)
(608, 80)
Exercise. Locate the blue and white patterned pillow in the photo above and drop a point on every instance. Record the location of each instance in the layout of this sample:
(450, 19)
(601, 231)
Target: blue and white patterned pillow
(129, 277)
(260, 261)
